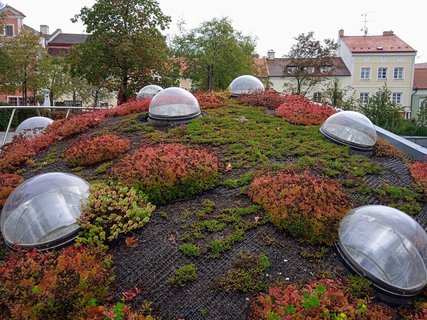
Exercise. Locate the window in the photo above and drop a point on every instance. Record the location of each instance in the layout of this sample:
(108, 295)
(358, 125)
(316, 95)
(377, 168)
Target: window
(363, 98)
(398, 73)
(317, 97)
(8, 30)
(309, 70)
(365, 73)
(396, 97)
(382, 73)
(15, 101)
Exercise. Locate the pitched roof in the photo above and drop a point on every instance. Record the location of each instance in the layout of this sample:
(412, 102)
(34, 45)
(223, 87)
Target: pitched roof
(68, 38)
(420, 65)
(420, 78)
(32, 30)
(12, 10)
(275, 67)
(261, 67)
(373, 44)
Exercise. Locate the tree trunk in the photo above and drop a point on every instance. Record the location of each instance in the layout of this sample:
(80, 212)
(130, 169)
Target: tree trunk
(210, 78)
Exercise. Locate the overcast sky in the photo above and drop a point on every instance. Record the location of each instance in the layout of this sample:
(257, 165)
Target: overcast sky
(274, 23)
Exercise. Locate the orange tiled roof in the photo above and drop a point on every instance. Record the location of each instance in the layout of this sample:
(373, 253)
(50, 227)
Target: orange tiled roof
(374, 44)
(420, 78)
(261, 67)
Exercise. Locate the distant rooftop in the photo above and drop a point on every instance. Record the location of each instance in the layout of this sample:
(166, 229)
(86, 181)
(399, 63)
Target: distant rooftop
(387, 42)
(420, 65)
(68, 39)
(275, 67)
(420, 77)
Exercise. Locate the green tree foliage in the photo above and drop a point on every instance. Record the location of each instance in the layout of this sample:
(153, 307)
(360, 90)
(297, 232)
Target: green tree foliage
(310, 59)
(21, 64)
(380, 109)
(422, 115)
(338, 96)
(125, 47)
(214, 53)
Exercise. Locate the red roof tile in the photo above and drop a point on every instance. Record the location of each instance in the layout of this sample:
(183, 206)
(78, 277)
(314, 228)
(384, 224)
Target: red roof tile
(420, 78)
(370, 44)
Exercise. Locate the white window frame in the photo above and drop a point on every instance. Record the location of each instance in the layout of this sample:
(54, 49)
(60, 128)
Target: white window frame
(19, 100)
(397, 97)
(363, 98)
(402, 73)
(317, 96)
(365, 73)
(5, 28)
(382, 73)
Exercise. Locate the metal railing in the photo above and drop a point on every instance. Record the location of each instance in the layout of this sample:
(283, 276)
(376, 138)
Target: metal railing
(69, 108)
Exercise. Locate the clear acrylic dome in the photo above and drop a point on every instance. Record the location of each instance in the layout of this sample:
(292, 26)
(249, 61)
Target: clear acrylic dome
(173, 104)
(148, 91)
(42, 212)
(33, 126)
(387, 246)
(350, 128)
(245, 84)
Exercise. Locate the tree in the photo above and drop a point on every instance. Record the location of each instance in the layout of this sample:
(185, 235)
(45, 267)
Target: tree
(214, 54)
(19, 70)
(125, 45)
(309, 61)
(381, 110)
(340, 97)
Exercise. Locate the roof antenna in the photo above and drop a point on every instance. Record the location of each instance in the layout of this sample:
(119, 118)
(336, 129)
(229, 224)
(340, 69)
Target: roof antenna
(365, 27)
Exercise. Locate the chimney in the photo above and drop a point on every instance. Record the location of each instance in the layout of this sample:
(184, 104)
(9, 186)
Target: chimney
(388, 33)
(270, 54)
(44, 29)
(341, 33)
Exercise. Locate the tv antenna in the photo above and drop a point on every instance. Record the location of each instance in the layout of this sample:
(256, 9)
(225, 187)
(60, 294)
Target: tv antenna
(365, 27)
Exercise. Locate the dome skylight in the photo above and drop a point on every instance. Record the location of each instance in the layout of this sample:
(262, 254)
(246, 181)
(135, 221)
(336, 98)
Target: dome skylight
(245, 84)
(386, 246)
(350, 128)
(173, 104)
(33, 126)
(148, 91)
(42, 212)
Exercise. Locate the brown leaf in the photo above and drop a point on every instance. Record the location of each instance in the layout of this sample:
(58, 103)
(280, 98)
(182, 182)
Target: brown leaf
(131, 242)
(229, 167)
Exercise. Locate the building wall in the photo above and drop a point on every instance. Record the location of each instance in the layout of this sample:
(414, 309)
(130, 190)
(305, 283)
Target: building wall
(389, 61)
(277, 83)
(419, 97)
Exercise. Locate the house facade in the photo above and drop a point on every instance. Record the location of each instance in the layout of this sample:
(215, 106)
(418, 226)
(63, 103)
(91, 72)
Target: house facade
(279, 80)
(377, 60)
(419, 96)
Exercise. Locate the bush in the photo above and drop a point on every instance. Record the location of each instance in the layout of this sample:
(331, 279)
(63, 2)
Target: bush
(190, 250)
(299, 110)
(168, 171)
(324, 299)
(307, 207)
(8, 182)
(88, 151)
(268, 98)
(53, 285)
(112, 210)
(209, 100)
(419, 173)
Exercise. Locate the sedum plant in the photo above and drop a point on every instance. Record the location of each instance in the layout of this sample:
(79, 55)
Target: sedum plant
(307, 207)
(112, 210)
(88, 151)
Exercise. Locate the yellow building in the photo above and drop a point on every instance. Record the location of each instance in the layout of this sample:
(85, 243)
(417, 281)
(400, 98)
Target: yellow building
(376, 60)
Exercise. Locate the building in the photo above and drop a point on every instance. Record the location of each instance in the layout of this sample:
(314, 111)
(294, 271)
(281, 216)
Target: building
(279, 79)
(419, 96)
(377, 60)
